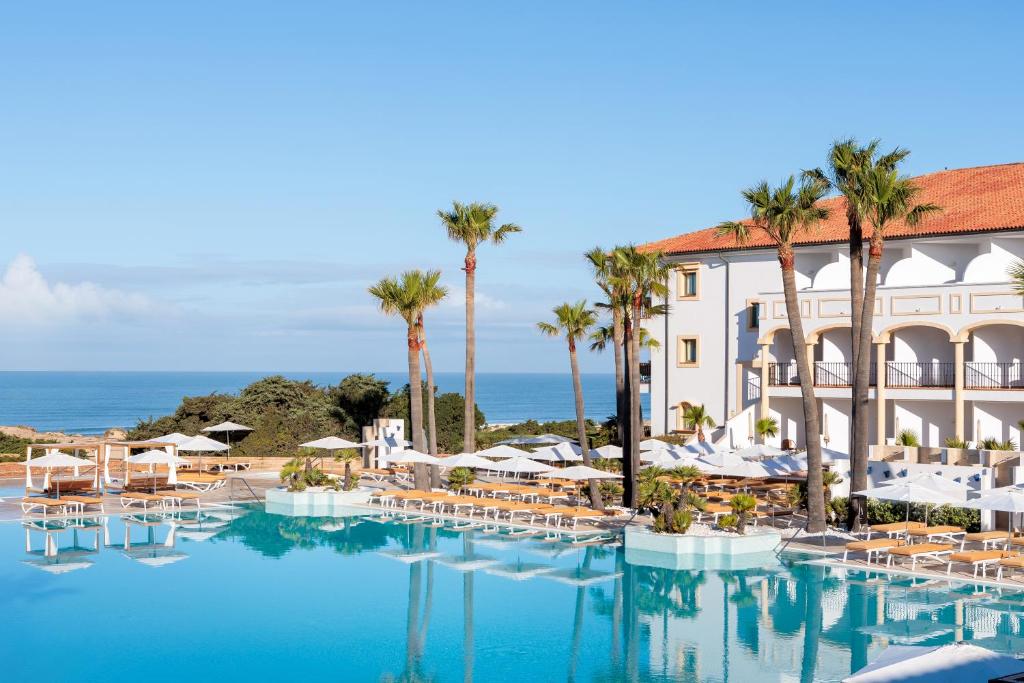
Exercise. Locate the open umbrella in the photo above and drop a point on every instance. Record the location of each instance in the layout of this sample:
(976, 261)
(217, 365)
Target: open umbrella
(760, 450)
(177, 438)
(538, 440)
(609, 451)
(1004, 499)
(581, 473)
(723, 459)
(502, 451)
(56, 459)
(467, 460)
(521, 465)
(411, 457)
(953, 663)
(563, 452)
(159, 457)
(202, 444)
(653, 445)
(917, 489)
(747, 469)
(227, 428)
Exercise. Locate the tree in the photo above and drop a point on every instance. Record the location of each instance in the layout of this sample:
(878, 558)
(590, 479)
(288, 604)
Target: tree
(1016, 273)
(781, 213)
(742, 504)
(604, 264)
(347, 456)
(767, 427)
(472, 225)
(574, 322)
(874, 196)
(401, 296)
(357, 401)
(640, 276)
(431, 293)
(450, 410)
(697, 418)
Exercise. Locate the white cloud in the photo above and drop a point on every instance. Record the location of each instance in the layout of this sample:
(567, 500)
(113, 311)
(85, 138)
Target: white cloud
(484, 302)
(27, 297)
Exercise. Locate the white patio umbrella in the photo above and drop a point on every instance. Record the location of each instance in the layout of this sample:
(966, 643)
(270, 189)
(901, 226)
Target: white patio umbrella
(502, 451)
(581, 473)
(747, 469)
(411, 457)
(723, 459)
(1004, 499)
(609, 451)
(907, 491)
(538, 440)
(653, 445)
(563, 452)
(954, 663)
(760, 450)
(785, 464)
(330, 443)
(159, 457)
(471, 460)
(177, 438)
(51, 460)
(521, 465)
(202, 444)
(227, 428)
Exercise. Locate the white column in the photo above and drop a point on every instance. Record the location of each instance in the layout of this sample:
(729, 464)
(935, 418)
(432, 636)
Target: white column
(880, 392)
(958, 388)
(764, 381)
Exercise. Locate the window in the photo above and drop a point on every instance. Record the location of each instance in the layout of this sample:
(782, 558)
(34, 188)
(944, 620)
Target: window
(681, 425)
(754, 309)
(688, 352)
(688, 281)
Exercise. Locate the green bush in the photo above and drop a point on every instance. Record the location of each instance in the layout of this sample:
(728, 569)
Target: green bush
(728, 521)
(460, 477)
(885, 512)
(955, 442)
(908, 437)
(673, 521)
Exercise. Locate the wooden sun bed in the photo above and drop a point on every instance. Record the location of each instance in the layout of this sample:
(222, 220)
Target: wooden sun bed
(978, 559)
(933, 551)
(939, 533)
(83, 501)
(29, 504)
(874, 547)
(178, 497)
(129, 498)
(893, 529)
(986, 538)
(1010, 563)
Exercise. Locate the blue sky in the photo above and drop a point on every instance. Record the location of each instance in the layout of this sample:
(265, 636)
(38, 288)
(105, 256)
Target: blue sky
(213, 186)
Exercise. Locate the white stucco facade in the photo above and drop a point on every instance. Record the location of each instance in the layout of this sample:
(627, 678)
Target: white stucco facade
(948, 333)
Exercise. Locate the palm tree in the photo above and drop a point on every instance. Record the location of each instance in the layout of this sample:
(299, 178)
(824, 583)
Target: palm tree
(472, 225)
(854, 172)
(402, 296)
(640, 276)
(697, 417)
(604, 275)
(767, 427)
(574, 322)
(781, 213)
(431, 293)
(1016, 273)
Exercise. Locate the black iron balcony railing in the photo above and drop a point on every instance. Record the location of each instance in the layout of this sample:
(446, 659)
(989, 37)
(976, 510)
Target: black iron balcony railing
(783, 374)
(645, 372)
(913, 375)
(993, 375)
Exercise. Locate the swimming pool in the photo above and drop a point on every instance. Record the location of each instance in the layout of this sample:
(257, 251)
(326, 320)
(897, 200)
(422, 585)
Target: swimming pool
(243, 595)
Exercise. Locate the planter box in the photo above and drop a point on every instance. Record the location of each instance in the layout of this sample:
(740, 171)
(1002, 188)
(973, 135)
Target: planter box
(316, 502)
(683, 551)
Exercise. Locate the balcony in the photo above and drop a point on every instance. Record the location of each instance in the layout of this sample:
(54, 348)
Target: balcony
(826, 374)
(906, 375)
(993, 375)
(912, 375)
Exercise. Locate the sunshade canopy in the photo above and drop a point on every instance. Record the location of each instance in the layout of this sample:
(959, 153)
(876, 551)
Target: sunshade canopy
(745, 468)
(563, 452)
(1004, 499)
(653, 445)
(955, 663)
(502, 451)
(468, 460)
(609, 451)
(723, 459)
(910, 492)
(156, 457)
(202, 443)
(580, 473)
(413, 457)
(521, 465)
(177, 438)
(227, 427)
(759, 450)
(330, 443)
(57, 459)
(538, 440)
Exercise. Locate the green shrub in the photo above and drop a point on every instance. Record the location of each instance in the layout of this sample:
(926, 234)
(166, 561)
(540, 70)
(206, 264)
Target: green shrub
(885, 512)
(994, 444)
(908, 437)
(460, 477)
(673, 521)
(742, 504)
(955, 442)
(728, 521)
(837, 510)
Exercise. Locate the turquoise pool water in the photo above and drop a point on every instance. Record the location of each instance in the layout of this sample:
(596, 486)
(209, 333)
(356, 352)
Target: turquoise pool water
(248, 596)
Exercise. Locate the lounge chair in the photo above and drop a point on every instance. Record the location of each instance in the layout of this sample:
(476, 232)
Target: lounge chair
(46, 505)
(978, 559)
(920, 551)
(986, 538)
(952, 534)
(178, 497)
(83, 501)
(1010, 563)
(576, 514)
(129, 498)
(874, 547)
(893, 529)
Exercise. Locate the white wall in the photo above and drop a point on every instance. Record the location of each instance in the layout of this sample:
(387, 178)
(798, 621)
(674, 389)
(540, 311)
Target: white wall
(998, 420)
(994, 259)
(921, 345)
(932, 420)
(790, 416)
(835, 346)
(998, 344)
(834, 275)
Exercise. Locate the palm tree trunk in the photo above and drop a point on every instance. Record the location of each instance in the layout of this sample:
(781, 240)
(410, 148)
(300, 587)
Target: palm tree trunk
(815, 497)
(581, 425)
(469, 436)
(859, 454)
(416, 406)
(467, 614)
(812, 624)
(631, 446)
(620, 372)
(435, 472)
(858, 410)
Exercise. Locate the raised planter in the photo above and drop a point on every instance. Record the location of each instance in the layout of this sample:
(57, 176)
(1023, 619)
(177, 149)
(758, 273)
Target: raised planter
(318, 502)
(685, 551)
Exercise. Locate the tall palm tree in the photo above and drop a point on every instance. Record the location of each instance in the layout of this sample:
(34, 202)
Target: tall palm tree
(849, 167)
(781, 213)
(574, 322)
(431, 293)
(640, 276)
(698, 418)
(603, 264)
(472, 225)
(1016, 273)
(402, 296)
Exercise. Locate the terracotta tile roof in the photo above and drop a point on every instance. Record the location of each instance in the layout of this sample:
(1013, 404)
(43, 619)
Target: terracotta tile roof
(981, 199)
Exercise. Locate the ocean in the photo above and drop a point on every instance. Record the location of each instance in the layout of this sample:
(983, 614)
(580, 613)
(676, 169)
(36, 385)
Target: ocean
(91, 402)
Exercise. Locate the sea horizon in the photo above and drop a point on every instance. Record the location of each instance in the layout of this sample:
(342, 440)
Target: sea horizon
(92, 401)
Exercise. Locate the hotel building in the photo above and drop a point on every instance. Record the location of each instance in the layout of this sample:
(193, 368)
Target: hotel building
(948, 333)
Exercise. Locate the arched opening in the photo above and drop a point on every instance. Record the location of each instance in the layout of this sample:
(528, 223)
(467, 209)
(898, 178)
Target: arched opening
(994, 355)
(919, 355)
